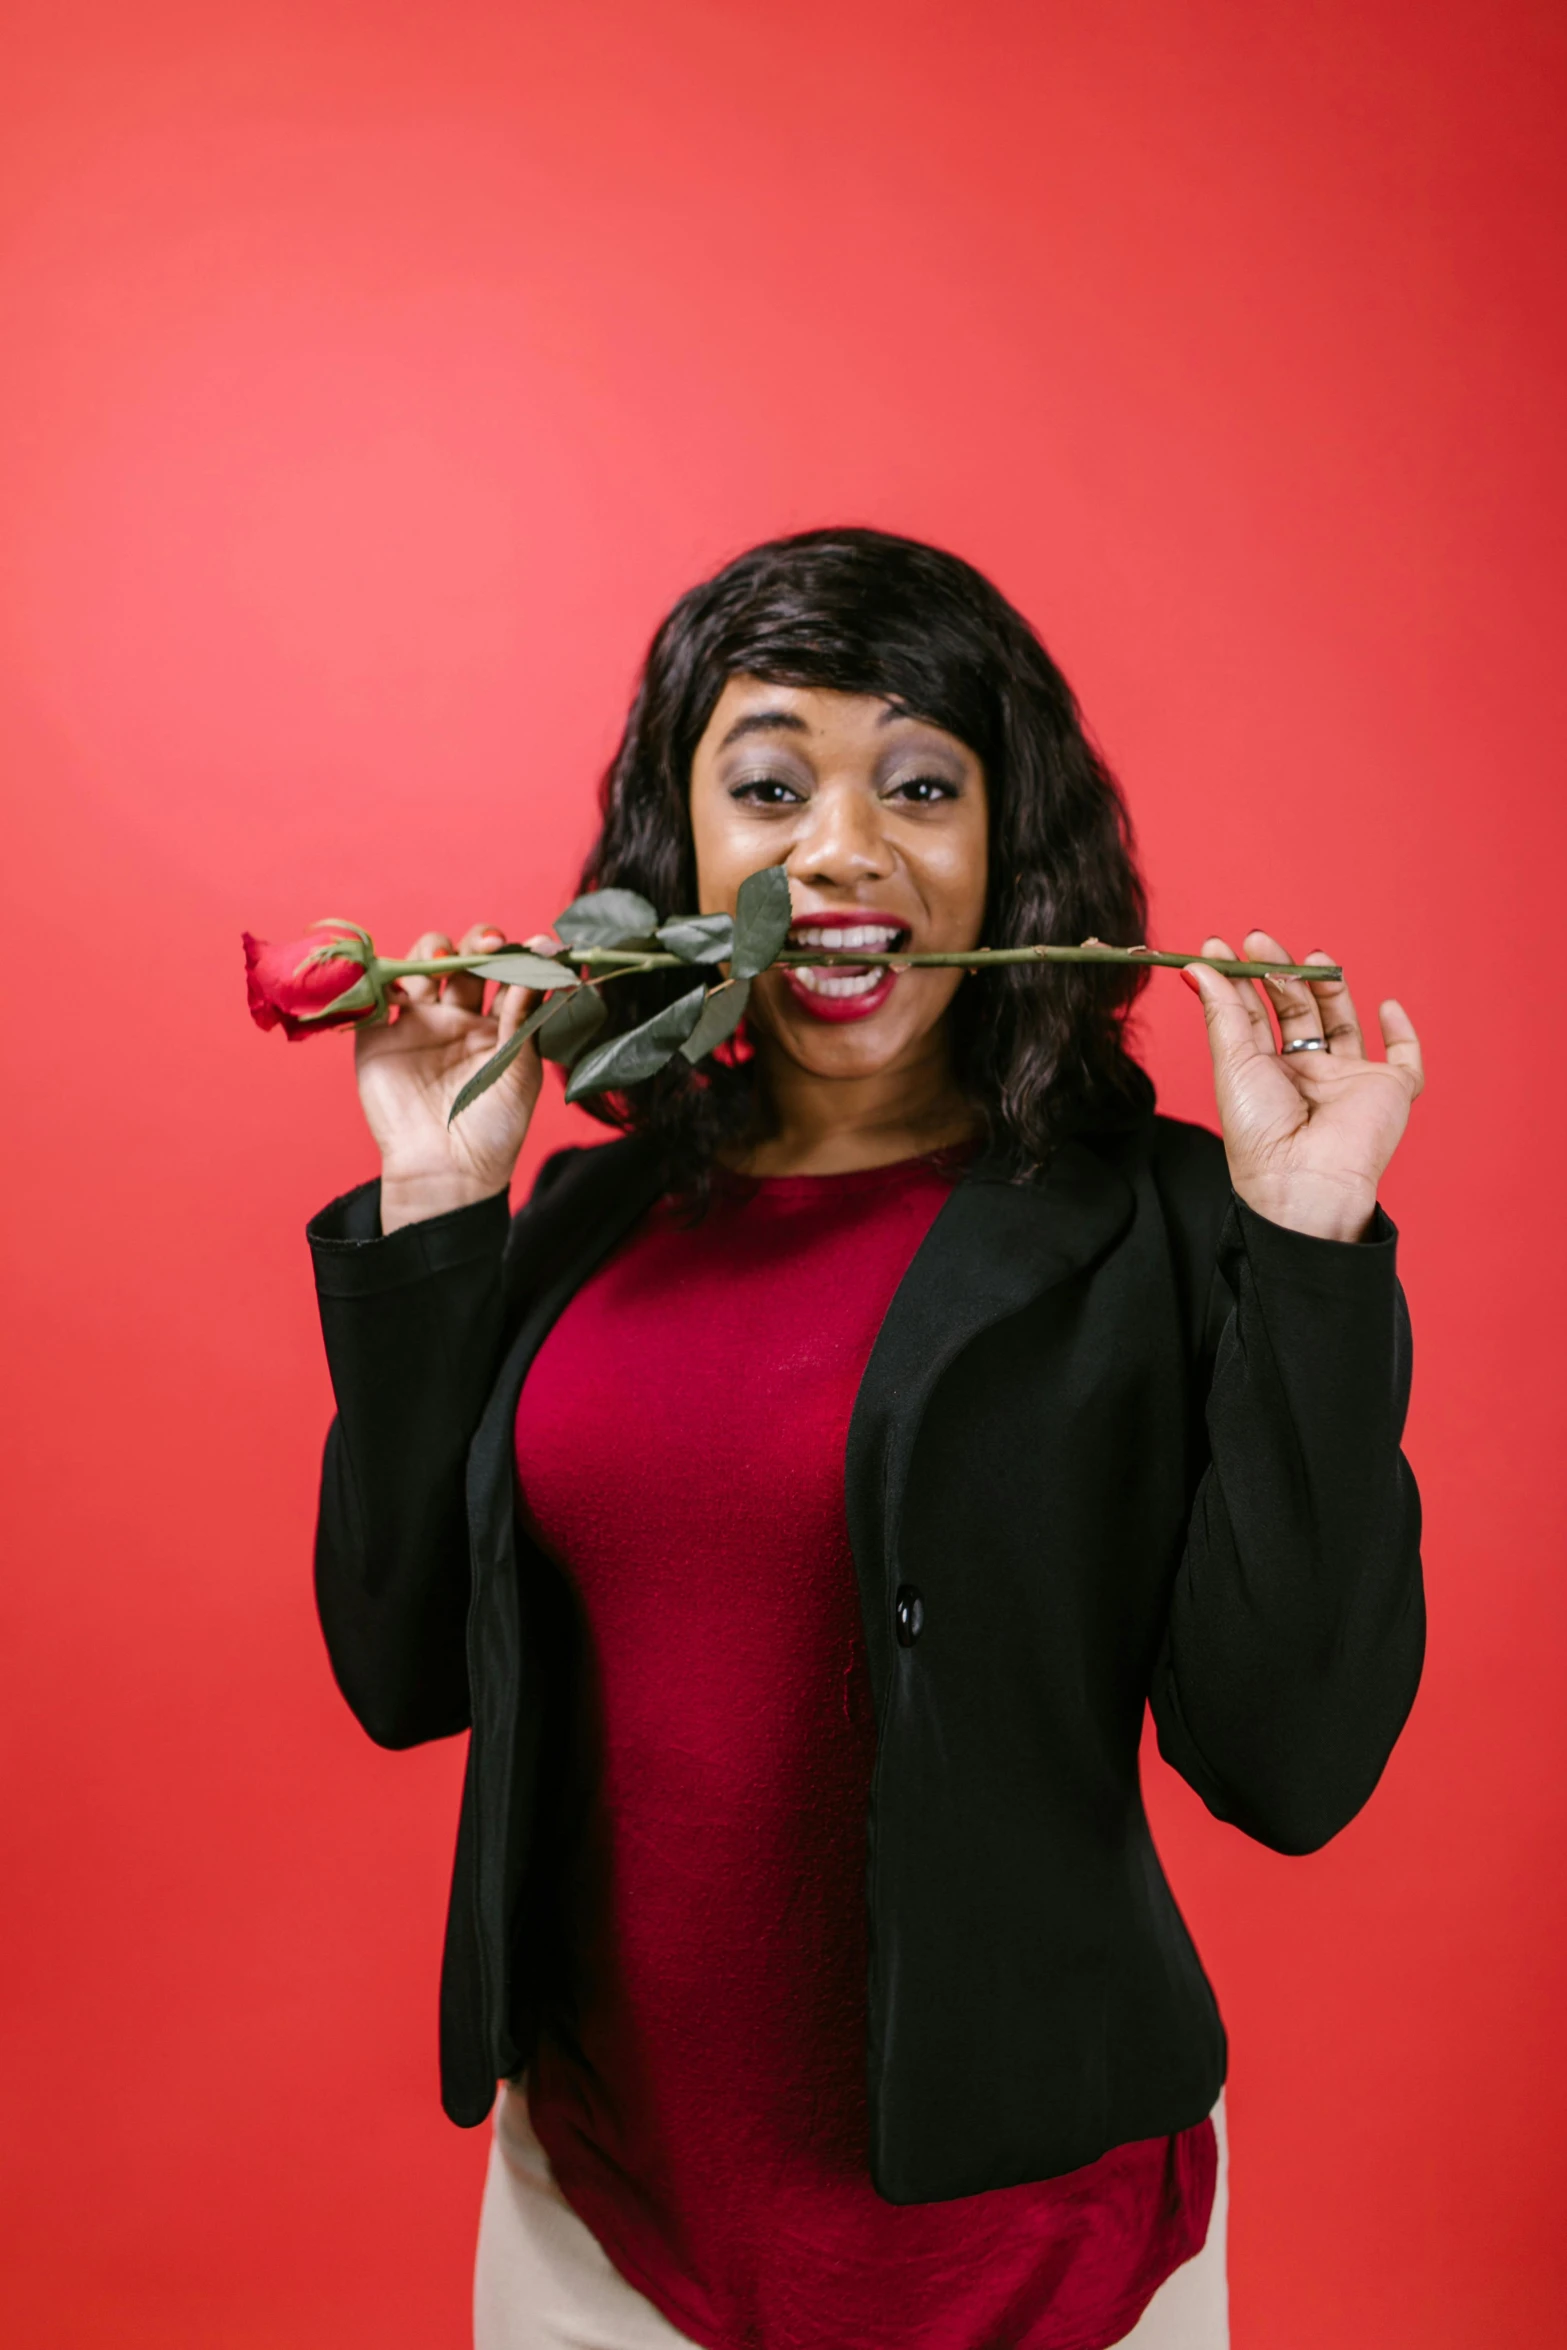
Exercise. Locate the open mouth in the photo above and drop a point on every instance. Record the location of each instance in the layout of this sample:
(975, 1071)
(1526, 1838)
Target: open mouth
(846, 983)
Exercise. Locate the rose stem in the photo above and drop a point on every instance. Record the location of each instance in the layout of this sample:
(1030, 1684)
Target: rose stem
(619, 963)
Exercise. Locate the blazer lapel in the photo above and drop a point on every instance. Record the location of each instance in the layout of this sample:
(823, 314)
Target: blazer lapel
(994, 1246)
(576, 1227)
(570, 1235)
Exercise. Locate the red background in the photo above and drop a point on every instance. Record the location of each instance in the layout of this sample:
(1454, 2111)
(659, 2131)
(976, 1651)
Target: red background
(374, 377)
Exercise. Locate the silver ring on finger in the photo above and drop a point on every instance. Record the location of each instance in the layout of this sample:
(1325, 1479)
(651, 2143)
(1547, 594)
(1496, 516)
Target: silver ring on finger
(1307, 1044)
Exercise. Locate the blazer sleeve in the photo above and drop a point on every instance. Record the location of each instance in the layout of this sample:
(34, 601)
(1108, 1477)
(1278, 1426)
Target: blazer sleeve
(413, 1325)
(1296, 1628)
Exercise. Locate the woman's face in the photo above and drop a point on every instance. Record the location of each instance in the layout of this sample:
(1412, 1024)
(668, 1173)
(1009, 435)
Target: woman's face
(880, 822)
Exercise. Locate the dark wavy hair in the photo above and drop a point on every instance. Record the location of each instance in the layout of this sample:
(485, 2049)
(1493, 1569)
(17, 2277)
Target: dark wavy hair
(1041, 1050)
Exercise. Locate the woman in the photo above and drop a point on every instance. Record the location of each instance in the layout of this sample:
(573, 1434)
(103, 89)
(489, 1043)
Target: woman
(801, 1500)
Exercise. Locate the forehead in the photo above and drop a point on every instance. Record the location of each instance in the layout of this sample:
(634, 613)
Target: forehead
(812, 716)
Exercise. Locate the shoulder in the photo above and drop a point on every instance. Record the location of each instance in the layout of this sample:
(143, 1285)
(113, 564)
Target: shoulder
(1188, 1160)
(557, 1166)
(1191, 1176)
(575, 1190)
(587, 1170)
(584, 1180)
(1191, 1179)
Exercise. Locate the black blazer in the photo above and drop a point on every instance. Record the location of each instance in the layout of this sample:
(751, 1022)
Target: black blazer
(1121, 1439)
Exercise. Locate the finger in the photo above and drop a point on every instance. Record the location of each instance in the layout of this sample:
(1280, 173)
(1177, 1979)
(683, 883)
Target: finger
(1340, 1020)
(1238, 1023)
(1248, 995)
(417, 989)
(1295, 1006)
(512, 1006)
(1402, 1045)
(463, 989)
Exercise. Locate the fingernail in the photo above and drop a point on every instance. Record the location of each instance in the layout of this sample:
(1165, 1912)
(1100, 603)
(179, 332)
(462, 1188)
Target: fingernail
(1191, 979)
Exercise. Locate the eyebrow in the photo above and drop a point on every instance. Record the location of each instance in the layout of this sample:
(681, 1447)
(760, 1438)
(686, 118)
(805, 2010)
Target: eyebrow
(760, 721)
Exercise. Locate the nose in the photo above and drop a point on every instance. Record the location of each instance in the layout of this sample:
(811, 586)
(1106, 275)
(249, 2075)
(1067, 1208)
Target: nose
(844, 843)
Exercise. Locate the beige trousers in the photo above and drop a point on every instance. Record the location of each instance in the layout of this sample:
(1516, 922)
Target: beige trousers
(542, 2281)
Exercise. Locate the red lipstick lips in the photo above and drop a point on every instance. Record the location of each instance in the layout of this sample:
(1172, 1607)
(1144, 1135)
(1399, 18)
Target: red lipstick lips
(844, 991)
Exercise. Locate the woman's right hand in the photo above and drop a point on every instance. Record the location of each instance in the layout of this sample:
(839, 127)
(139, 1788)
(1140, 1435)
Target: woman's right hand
(411, 1068)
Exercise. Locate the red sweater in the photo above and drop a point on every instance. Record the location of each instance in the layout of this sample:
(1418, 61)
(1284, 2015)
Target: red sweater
(680, 1444)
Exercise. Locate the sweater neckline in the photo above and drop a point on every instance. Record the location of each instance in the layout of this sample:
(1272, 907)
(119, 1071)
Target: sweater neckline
(951, 1159)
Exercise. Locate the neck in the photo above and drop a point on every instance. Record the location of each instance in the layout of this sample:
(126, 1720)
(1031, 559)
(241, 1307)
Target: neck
(834, 1125)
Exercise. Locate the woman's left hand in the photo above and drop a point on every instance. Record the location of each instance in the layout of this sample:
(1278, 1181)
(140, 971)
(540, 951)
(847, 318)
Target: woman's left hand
(1307, 1134)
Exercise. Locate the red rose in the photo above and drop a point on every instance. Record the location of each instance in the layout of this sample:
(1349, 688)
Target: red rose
(283, 985)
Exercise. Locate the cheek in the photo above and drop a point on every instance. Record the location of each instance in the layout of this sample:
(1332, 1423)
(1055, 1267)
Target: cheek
(933, 1000)
(957, 880)
(723, 848)
(702, 847)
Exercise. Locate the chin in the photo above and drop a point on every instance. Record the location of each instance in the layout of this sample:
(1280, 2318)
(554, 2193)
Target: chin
(842, 1056)
(849, 1036)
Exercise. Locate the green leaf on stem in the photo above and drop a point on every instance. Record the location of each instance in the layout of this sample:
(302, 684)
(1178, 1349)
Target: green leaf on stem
(698, 938)
(607, 918)
(626, 1060)
(720, 1017)
(498, 1063)
(762, 917)
(520, 967)
(573, 1023)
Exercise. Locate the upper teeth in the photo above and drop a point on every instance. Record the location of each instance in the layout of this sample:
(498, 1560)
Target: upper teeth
(878, 936)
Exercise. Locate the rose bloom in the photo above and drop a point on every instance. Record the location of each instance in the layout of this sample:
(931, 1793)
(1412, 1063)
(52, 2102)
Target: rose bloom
(280, 994)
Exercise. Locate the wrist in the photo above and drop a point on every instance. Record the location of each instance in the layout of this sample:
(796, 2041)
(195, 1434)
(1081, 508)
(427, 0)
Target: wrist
(413, 1198)
(1323, 1209)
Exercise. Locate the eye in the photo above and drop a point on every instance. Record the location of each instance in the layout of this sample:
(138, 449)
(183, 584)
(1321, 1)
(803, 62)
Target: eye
(924, 790)
(765, 791)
